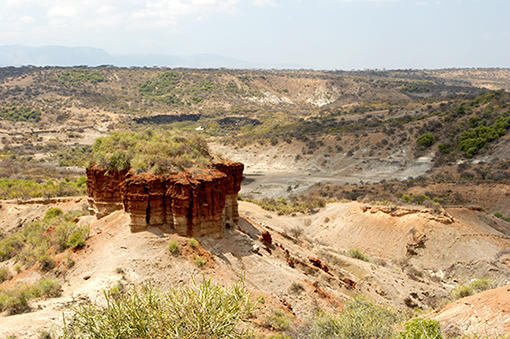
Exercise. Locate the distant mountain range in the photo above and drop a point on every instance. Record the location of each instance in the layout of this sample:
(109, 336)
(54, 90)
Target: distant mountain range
(18, 55)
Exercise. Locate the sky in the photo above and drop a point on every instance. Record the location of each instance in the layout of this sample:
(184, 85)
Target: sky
(321, 34)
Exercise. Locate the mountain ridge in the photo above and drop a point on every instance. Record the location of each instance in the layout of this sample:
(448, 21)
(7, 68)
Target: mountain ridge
(54, 55)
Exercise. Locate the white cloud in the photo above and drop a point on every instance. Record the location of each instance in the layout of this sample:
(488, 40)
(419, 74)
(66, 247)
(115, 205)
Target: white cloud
(62, 11)
(262, 3)
(26, 20)
(145, 12)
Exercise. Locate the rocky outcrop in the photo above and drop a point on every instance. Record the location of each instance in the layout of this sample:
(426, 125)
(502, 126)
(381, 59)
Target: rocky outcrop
(103, 190)
(197, 204)
(234, 172)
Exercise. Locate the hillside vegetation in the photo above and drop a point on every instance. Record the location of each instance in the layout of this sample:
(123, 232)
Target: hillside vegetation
(151, 151)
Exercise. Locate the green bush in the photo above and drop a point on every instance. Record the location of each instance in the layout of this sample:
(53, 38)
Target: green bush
(444, 148)
(174, 247)
(47, 262)
(279, 320)
(33, 243)
(10, 246)
(425, 140)
(15, 300)
(472, 287)
(24, 189)
(471, 141)
(193, 243)
(498, 215)
(284, 206)
(202, 310)
(79, 77)
(360, 318)
(78, 237)
(421, 329)
(52, 213)
(15, 112)
(149, 151)
(69, 235)
(199, 261)
(5, 274)
(357, 254)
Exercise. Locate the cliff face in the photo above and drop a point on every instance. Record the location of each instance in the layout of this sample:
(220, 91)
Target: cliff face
(103, 190)
(190, 205)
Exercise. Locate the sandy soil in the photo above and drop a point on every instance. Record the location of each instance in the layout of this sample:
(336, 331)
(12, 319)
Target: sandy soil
(486, 313)
(114, 255)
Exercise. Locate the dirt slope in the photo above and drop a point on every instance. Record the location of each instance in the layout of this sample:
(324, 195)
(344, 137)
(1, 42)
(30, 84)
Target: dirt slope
(114, 256)
(486, 313)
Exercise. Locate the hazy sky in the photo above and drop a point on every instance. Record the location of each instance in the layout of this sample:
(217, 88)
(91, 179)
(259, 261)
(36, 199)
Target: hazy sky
(333, 34)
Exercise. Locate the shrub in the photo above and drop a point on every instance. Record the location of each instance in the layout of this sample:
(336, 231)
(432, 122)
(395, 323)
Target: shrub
(174, 247)
(296, 287)
(425, 140)
(46, 288)
(69, 235)
(471, 141)
(421, 329)
(47, 263)
(78, 237)
(79, 77)
(15, 300)
(38, 241)
(193, 243)
(472, 287)
(444, 148)
(279, 320)
(357, 254)
(52, 213)
(27, 188)
(202, 310)
(200, 261)
(5, 274)
(164, 151)
(10, 246)
(360, 318)
(16, 112)
(296, 231)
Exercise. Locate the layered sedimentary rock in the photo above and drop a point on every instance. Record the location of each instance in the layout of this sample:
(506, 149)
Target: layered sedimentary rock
(197, 204)
(234, 172)
(103, 190)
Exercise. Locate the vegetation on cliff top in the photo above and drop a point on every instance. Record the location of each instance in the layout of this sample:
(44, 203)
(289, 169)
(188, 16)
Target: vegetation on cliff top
(151, 151)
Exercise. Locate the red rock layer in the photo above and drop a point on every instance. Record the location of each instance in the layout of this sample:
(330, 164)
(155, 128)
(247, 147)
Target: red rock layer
(234, 172)
(103, 189)
(190, 205)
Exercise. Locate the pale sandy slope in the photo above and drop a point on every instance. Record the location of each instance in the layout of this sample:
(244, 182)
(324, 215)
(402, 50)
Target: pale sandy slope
(485, 313)
(115, 255)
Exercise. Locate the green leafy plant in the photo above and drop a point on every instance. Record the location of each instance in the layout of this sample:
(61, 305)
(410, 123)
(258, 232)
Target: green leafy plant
(421, 329)
(15, 300)
(79, 77)
(472, 287)
(357, 254)
(279, 320)
(193, 243)
(149, 151)
(16, 112)
(359, 318)
(52, 213)
(201, 310)
(425, 140)
(5, 274)
(199, 261)
(28, 188)
(174, 247)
